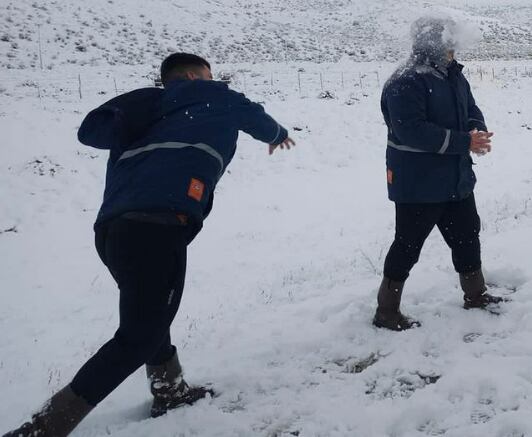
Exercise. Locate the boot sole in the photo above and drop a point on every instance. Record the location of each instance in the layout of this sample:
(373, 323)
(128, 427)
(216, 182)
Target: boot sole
(190, 399)
(397, 328)
(493, 308)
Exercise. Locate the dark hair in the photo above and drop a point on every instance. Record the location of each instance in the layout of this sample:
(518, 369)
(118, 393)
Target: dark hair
(177, 64)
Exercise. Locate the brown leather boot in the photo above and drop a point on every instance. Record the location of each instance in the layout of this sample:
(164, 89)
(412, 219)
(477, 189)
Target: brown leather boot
(57, 418)
(169, 389)
(474, 288)
(388, 314)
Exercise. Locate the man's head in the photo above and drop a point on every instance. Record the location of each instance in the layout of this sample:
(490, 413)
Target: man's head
(184, 66)
(434, 39)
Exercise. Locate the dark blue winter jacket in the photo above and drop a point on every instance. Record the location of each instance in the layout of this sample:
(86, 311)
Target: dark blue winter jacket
(429, 112)
(169, 147)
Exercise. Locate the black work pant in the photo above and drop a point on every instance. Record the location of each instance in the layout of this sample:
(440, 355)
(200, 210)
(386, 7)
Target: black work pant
(458, 223)
(148, 262)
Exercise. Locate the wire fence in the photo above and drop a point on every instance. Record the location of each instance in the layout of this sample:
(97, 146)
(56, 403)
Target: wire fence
(304, 83)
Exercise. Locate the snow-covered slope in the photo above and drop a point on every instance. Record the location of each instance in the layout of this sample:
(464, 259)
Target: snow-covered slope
(282, 281)
(115, 32)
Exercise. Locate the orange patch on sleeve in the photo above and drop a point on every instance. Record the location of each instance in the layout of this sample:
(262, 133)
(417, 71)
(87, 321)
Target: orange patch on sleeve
(389, 176)
(196, 189)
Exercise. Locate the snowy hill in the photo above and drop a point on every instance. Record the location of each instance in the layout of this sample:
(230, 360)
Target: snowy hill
(115, 32)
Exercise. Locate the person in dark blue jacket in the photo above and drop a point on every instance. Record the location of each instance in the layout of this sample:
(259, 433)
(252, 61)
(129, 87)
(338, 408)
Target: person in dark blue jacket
(434, 124)
(168, 150)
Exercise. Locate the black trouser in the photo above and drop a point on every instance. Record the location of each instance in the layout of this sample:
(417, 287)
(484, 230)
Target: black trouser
(148, 262)
(458, 222)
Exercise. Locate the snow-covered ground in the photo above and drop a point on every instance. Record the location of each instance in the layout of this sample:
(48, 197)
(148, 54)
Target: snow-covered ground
(282, 281)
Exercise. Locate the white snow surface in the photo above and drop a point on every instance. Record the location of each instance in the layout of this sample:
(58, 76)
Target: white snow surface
(281, 283)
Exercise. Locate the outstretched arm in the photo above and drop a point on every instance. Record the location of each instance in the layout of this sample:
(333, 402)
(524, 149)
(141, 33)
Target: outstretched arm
(252, 119)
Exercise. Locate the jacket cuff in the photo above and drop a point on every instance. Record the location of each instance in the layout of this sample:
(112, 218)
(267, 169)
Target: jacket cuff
(282, 135)
(460, 143)
(476, 124)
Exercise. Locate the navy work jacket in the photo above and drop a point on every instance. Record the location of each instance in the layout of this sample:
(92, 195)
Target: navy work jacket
(169, 147)
(429, 112)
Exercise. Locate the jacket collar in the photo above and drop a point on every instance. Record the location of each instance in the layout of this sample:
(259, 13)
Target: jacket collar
(455, 65)
(443, 71)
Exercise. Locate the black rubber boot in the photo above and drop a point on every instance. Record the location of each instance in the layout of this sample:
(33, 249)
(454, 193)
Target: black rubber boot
(474, 288)
(388, 314)
(58, 417)
(169, 389)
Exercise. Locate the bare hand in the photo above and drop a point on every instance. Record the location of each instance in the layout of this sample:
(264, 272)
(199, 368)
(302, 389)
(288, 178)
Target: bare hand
(480, 142)
(289, 142)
